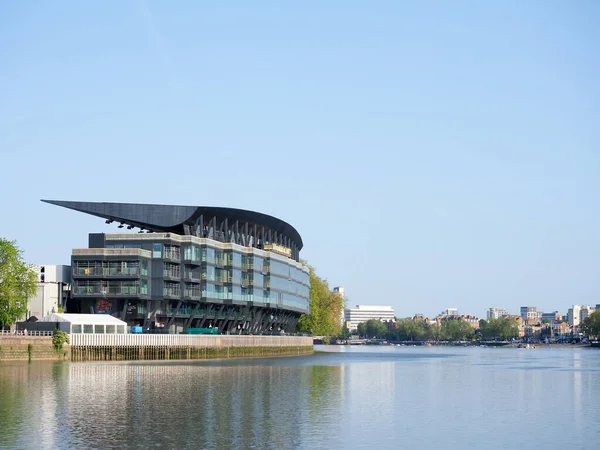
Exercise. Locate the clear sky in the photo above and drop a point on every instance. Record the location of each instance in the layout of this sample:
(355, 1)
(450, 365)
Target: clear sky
(431, 154)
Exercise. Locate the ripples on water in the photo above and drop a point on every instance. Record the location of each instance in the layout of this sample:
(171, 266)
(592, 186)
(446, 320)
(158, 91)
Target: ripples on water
(368, 397)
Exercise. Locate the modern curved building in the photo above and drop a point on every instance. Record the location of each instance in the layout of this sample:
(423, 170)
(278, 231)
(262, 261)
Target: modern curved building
(191, 267)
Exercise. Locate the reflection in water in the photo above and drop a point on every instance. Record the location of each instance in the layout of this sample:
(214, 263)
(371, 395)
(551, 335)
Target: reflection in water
(353, 398)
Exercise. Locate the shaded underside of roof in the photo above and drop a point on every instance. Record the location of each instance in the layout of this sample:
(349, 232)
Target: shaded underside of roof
(174, 218)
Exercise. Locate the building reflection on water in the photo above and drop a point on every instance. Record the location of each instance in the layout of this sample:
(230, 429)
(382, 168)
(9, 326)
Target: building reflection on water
(198, 405)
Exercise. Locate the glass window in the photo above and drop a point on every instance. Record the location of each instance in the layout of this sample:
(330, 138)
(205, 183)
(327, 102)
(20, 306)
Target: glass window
(99, 329)
(88, 329)
(236, 276)
(157, 250)
(208, 255)
(237, 260)
(210, 273)
(110, 329)
(145, 268)
(120, 329)
(208, 290)
(76, 329)
(257, 279)
(144, 287)
(237, 293)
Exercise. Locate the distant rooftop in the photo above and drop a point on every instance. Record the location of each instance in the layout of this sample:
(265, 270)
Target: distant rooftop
(375, 307)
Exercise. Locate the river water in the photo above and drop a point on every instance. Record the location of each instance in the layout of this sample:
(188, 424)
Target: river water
(367, 397)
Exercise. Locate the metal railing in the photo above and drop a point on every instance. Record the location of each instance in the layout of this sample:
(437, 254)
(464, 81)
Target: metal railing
(25, 333)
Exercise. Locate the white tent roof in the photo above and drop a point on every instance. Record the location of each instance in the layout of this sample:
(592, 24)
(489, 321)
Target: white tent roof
(83, 319)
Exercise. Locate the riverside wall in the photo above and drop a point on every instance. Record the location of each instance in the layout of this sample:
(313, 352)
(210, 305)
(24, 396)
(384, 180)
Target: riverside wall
(30, 348)
(137, 347)
(134, 347)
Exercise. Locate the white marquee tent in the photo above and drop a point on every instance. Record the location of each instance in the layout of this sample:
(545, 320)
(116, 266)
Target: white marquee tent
(87, 323)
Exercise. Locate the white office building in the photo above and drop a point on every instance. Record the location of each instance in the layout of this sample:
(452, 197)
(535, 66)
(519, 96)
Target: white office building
(362, 313)
(53, 282)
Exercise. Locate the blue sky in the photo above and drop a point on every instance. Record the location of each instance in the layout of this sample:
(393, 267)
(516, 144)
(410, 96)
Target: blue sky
(431, 154)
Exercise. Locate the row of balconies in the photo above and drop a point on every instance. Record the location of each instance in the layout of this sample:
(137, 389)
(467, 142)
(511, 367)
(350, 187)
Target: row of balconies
(108, 272)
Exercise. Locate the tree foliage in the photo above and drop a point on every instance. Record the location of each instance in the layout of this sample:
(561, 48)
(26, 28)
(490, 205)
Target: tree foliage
(59, 338)
(503, 328)
(344, 332)
(408, 330)
(457, 330)
(434, 331)
(372, 328)
(325, 309)
(17, 283)
(375, 328)
(591, 324)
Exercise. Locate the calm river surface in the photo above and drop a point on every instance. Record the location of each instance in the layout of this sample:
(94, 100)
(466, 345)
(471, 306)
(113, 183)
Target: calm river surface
(367, 397)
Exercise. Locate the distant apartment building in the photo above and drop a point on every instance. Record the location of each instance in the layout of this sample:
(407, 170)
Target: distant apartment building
(496, 313)
(585, 312)
(531, 314)
(573, 315)
(578, 313)
(362, 313)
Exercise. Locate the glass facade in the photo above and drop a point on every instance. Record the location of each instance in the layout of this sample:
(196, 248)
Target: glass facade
(184, 269)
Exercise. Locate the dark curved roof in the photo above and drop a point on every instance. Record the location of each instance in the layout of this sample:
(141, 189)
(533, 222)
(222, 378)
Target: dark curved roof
(172, 218)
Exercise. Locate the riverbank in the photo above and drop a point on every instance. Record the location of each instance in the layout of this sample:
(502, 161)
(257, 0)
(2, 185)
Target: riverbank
(129, 347)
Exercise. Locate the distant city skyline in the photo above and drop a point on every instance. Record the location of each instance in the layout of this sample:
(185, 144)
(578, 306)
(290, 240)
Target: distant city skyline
(429, 156)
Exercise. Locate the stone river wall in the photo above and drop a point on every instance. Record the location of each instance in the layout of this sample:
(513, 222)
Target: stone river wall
(29, 348)
(132, 347)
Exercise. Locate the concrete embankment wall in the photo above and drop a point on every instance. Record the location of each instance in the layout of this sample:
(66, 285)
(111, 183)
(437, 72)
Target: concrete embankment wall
(130, 347)
(22, 348)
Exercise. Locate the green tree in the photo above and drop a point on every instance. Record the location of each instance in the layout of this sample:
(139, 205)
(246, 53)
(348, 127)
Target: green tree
(409, 329)
(59, 338)
(17, 283)
(591, 324)
(361, 329)
(434, 331)
(457, 330)
(325, 309)
(375, 328)
(503, 328)
(344, 332)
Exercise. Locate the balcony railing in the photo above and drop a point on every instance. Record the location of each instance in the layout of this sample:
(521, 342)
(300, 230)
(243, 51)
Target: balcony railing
(192, 295)
(171, 293)
(106, 272)
(223, 279)
(220, 262)
(108, 292)
(175, 256)
(193, 277)
(171, 274)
